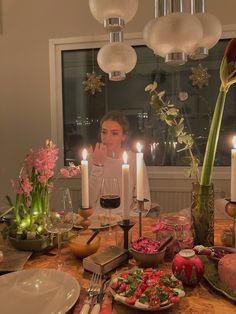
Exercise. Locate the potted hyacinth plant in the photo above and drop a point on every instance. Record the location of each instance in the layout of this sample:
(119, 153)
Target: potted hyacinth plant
(203, 196)
(32, 188)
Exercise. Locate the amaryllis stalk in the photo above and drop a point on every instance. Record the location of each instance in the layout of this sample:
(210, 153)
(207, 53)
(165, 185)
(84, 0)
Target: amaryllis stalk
(228, 77)
(203, 205)
(32, 188)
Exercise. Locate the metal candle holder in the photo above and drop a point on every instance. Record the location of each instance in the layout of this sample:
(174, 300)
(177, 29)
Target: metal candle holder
(230, 209)
(126, 225)
(140, 212)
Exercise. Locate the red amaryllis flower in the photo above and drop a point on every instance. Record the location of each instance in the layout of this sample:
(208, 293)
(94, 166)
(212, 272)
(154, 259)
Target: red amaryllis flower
(228, 65)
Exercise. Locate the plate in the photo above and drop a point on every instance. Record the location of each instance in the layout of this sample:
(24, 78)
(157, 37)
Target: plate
(38, 291)
(100, 221)
(136, 306)
(212, 277)
(13, 259)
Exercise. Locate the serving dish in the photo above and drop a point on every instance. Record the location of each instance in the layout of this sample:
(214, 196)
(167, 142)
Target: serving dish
(212, 277)
(38, 291)
(132, 289)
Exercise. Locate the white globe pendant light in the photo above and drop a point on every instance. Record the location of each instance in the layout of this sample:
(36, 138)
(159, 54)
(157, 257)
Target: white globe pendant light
(114, 14)
(212, 30)
(176, 35)
(117, 59)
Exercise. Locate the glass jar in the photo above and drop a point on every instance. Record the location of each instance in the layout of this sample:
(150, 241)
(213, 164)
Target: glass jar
(180, 228)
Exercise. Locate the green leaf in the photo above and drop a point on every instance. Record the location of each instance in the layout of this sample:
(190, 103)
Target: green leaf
(151, 87)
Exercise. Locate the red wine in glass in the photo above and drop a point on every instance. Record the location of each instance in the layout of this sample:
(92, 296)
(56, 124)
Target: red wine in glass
(110, 198)
(110, 201)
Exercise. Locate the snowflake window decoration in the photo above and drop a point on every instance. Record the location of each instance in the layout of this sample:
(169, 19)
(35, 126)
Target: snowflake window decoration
(93, 81)
(199, 76)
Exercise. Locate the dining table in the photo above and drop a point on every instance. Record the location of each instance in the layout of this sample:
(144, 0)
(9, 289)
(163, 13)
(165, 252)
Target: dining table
(200, 299)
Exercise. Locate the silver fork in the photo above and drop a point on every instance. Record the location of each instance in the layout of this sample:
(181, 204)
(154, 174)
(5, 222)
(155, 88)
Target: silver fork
(93, 289)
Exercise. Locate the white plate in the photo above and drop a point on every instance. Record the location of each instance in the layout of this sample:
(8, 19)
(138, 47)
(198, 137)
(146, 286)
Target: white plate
(96, 221)
(38, 291)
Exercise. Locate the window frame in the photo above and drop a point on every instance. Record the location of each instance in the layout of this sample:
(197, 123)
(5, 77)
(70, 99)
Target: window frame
(57, 46)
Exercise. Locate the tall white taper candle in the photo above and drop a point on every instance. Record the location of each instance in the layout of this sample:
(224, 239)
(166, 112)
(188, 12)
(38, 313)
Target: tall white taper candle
(84, 180)
(139, 169)
(233, 171)
(125, 187)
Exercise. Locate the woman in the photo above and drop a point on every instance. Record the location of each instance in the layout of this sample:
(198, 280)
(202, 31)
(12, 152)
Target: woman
(107, 160)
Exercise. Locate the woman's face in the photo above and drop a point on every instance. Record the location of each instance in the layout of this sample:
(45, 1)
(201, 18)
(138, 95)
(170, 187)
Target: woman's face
(112, 135)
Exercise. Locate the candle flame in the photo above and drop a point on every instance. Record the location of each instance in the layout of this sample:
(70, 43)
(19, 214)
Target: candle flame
(84, 154)
(125, 157)
(234, 142)
(139, 147)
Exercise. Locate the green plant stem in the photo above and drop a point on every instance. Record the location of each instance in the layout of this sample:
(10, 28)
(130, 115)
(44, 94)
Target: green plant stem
(213, 137)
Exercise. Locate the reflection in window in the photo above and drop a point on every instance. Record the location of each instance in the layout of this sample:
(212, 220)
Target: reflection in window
(193, 87)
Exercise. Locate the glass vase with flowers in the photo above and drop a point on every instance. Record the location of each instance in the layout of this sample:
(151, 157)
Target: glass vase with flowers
(32, 188)
(203, 203)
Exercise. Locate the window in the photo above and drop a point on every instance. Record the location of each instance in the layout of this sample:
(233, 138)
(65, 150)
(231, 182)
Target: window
(82, 110)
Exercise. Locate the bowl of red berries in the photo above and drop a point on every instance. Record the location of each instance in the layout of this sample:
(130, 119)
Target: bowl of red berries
(146, 252)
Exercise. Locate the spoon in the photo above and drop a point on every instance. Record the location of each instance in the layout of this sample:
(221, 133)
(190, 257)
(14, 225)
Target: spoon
(164, 244)
(93, 236)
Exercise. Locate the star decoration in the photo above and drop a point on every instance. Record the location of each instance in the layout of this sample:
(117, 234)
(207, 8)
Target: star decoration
(199, 76)
(93, 83)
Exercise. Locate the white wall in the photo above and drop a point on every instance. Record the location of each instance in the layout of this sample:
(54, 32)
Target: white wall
(27, 25)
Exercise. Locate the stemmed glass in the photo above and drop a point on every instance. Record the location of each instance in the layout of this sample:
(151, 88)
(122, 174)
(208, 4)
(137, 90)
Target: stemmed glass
(60, 216)
(110, 196)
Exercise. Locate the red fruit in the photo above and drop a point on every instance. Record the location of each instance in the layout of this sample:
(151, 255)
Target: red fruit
(131, 300)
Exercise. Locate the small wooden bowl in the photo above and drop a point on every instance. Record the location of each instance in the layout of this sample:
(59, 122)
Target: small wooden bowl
(148, 259)
(79, 247)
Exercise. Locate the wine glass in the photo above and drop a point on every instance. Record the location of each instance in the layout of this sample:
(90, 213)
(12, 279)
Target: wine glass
(60, 216)
(110, 196)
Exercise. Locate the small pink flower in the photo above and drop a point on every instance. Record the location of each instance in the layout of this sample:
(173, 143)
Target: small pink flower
(65, 172)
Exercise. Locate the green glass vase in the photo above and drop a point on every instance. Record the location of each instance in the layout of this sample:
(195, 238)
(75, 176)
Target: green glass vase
(202, 214)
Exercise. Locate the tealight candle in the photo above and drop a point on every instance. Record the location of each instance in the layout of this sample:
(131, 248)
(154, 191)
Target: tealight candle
(233, 171)
(84, 180)
(125, 187)
(140, 169)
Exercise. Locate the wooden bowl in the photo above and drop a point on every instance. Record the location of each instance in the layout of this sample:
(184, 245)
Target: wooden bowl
(79, 247)
(148, 259)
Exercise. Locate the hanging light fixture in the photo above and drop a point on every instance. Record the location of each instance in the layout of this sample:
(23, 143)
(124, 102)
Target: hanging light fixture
(212, 30)
(117, 58)
(174, 34)
(113, 14)
(148, 31)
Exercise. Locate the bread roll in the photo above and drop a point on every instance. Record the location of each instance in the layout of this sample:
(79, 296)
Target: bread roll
(226, 270)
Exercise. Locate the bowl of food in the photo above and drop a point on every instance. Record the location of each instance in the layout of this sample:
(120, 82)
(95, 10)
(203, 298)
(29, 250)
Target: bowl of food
(146, 252)
(80, 248)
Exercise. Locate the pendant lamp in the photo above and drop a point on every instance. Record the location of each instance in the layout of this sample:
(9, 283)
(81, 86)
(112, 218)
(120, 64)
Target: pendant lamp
(211, 26)
(113, 14)
(117, 59)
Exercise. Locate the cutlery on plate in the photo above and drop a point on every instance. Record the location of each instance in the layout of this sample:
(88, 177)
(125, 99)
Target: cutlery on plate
(93, 289)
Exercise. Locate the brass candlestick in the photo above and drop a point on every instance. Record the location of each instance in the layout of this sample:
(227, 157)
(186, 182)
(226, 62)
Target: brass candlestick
(230, 209)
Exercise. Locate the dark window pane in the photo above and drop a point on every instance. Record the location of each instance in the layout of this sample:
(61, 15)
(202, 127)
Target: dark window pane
(82, 110)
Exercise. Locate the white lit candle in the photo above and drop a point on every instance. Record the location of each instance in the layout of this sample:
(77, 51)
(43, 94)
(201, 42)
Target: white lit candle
(233, 171)
(139, 178)
(84, 179)
(125, 187)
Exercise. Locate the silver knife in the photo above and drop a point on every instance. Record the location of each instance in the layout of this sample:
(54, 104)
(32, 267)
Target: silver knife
(97, 307)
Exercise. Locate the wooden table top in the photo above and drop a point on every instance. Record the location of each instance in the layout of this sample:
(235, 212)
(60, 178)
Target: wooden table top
(201, 299)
